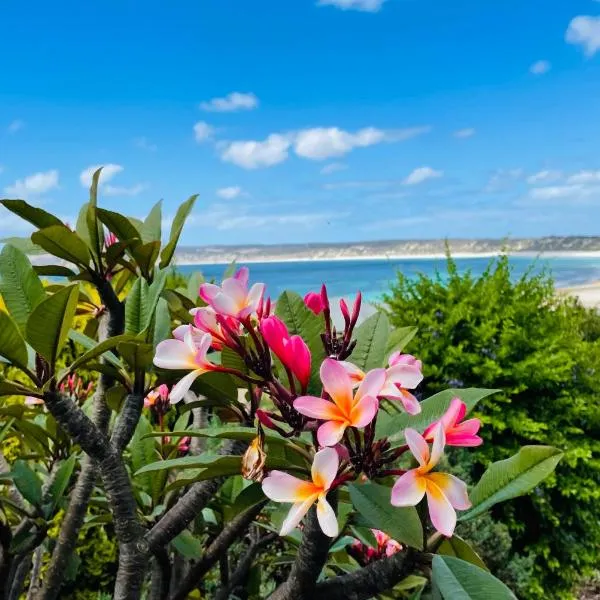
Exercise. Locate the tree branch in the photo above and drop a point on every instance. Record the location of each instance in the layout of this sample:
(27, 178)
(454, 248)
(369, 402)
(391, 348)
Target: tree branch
(230, 533)
(311, 557)
(128, 420)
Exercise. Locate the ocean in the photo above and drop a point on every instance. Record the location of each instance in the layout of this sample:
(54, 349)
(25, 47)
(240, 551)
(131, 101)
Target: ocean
(373, 277)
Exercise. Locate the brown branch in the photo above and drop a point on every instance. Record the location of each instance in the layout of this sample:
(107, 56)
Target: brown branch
(128, 420)
(230, 533)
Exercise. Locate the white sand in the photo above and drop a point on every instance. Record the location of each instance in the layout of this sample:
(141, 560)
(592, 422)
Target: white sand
(588, 293)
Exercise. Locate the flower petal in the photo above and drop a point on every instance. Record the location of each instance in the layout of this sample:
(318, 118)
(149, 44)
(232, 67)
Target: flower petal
(174, 354)
(356, 375)
(326, 517)
(331, 432)
(255, 295)
(437, 449)
(443, 516)
(411, 405)
(208, 292)
(225, 305)
(453, 488)
(283, 487)
(409, 489)
(337, 384)
(456, 411)
(325, 467)
(317, 408)
(236, 290)
(417, 445)
(181, 388)
(364, 412)
(407, 376)
(371, 385)
(295, 515)
(243, 275)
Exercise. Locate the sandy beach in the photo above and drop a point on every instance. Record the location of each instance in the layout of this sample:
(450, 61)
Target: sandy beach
(588, 293)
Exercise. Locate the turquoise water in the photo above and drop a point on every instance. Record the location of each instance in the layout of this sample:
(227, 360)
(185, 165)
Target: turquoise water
(372, 277)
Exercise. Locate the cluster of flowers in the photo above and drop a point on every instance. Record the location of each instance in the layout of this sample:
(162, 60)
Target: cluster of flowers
(342, 420)
(366, 553)
(73, 386)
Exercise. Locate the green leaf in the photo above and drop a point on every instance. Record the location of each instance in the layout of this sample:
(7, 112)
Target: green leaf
(162, 322)
(95, 351)
(121, 226)
(138, 355)
(89, 344)
(12, 344)
(27, 482)
(61, 481)
(217, 387)
(36, 216)
(432, 409)
(512, 477)
(94, 227)
(13, 388)
(24, 244)
(176, 228)
(225, 464)
(50, 322)
(460, 580)
(143, 452)
(399, 338)
(151, 229)
(145, 255)
(20, 287)
(193, 286)
(372, 501)
(188, 546)
(60, 241)
(456, 546)
(290, 308)
(54, 271)
(371, 342)
(141, 303)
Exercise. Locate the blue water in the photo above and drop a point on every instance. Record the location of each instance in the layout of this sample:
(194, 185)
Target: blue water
(372, 277)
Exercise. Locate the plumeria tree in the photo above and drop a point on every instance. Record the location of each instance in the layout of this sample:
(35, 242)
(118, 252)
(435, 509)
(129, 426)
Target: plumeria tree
(235, 444)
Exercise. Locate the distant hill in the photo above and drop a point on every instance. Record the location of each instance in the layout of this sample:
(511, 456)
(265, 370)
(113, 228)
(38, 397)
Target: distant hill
(383, 249)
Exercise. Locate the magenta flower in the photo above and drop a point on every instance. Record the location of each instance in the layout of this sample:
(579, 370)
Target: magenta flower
(292, 351)
(314, 302)
(205, 319)
(160, 395)
(444, 492)
(232, 298)
(346, 408)
(457, 434)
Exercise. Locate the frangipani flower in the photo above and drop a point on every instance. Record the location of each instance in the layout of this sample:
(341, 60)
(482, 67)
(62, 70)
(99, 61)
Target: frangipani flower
(158, 396)
(205, 319)
(187, 354)
(403, 374)
(282, 487)
(444, 492)
(232, 298)
(347, 409)
(292, 351)
(457, 434)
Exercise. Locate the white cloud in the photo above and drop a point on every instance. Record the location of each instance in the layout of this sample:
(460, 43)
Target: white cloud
(203, 131)
(143, 143)
(574, 193)
(362, 5)
(108, 172)
(231, 103)
(229, 193)
(545, 176)
(584, 31)
(33, 185)
(540, 67)
(333, 168)
(422, 174)
(15, 126)
(323, 142)
(585, 177)
(503, 179)
(134, 190)
(464, 133)
(252, 154)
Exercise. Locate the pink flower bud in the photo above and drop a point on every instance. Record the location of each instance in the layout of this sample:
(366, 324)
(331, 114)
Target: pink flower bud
(314, 302)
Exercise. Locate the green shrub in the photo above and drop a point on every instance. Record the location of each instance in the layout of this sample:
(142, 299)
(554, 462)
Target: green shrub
(543, 352)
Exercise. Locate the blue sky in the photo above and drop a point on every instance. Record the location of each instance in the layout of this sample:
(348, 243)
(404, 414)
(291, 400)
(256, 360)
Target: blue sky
(304, 122)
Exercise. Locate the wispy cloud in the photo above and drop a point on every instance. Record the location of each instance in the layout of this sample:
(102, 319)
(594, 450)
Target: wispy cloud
(540, 67)
(233, 102)
(361, 5)
(108, 172)
(503, 179)
(229, 193)
(134, 190)
(545, 176)
(333, 168)
(584, 31)
(421, 175)
(15, 126)
(203, 131)
(33, 185)
(464, 133)
(584, 177)
(143, 143)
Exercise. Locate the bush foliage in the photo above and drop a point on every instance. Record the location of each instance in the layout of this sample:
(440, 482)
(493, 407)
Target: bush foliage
(543, 353)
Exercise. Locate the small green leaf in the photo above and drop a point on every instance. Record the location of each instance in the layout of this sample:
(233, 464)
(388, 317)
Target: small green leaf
(399, 339)
(13, 388)
(90, 344)
(151, 229)
(94, 352)
(162, 322)
(12, 344)
(203, 461)
(50, 322)
(456, 579)
(27, 482)
(143, 452)
(193, 286)
(176, 228)
(372, 501)
(121, 226)
(60, 241)
(456, 546)
(94, 227)
(188, 546)
(61, 481)
(36, 216)
(512, 477)
(432, 409)
(54, 271)
(145, 255)
(138, 355)
(20, 286)
(141, 303)
(371, 342)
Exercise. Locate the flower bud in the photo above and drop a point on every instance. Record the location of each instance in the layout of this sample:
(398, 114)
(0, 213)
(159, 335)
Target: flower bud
(254, 459)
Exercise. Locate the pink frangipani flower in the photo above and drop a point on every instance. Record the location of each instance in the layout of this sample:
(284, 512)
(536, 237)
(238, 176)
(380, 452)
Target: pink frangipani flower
(158, 395)
(232, 298)
(282, 487)
(457, 434)
(403, 374)
(292, 351)
(444, 492)
(187, 354)
(347, 409)
(205, 319)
